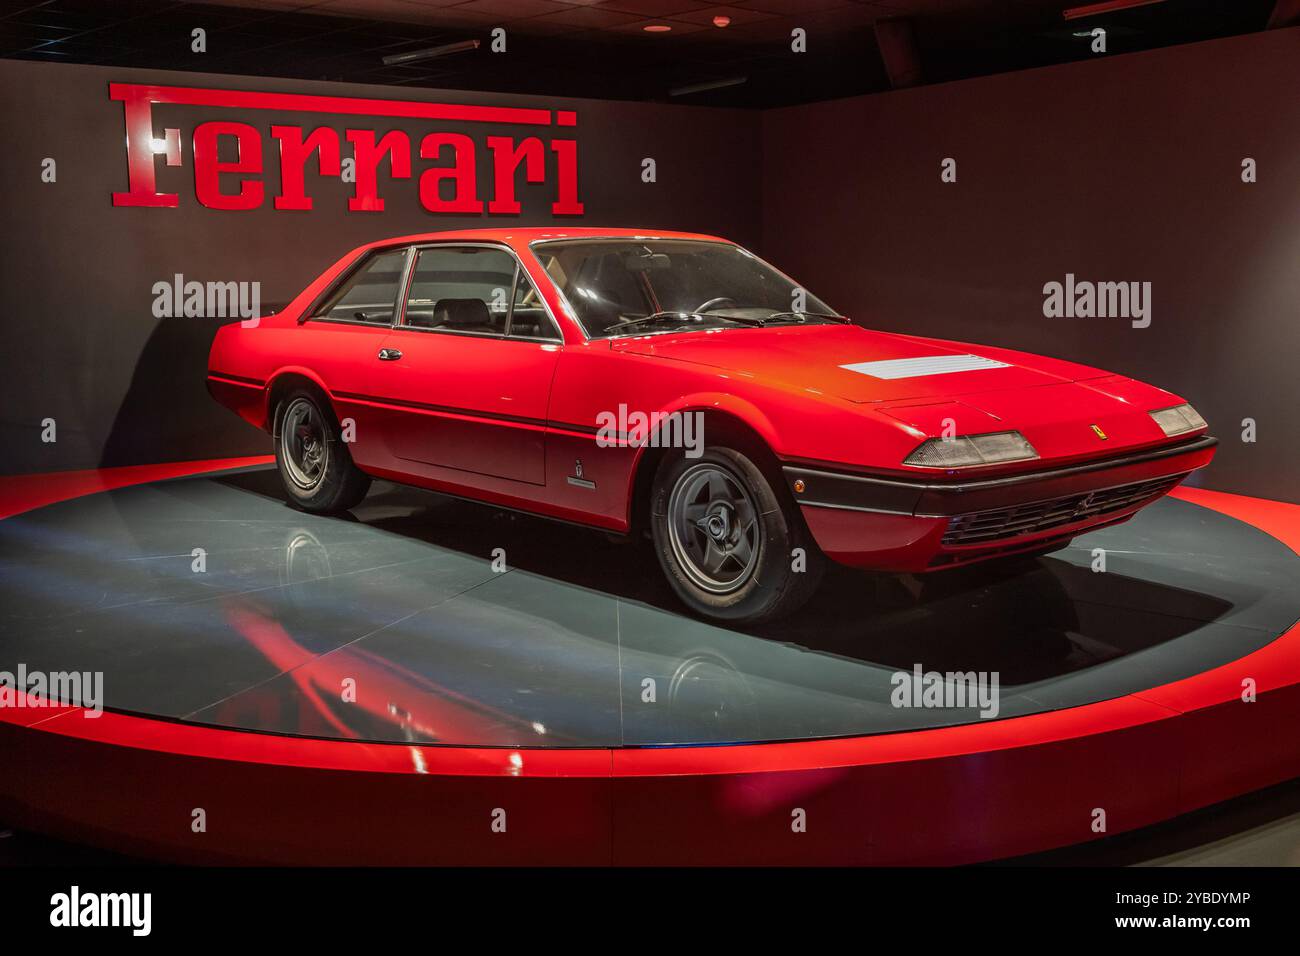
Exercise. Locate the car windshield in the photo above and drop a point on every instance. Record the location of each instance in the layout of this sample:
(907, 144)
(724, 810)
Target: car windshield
(634, 286)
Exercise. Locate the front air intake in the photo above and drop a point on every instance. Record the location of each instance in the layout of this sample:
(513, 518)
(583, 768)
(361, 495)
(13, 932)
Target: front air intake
(982, 527)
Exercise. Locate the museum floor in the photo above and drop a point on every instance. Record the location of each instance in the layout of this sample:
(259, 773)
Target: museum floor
(207, 604)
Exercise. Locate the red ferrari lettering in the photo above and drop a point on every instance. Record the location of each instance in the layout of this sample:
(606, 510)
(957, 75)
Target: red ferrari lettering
(228, 154)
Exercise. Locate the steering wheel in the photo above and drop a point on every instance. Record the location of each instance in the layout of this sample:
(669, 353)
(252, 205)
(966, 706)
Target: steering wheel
(714, 303)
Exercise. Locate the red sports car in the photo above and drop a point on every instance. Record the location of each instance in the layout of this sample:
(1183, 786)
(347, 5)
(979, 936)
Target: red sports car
(676, 384)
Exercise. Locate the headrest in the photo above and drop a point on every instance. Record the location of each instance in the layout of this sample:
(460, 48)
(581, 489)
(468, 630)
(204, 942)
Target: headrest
(461, 313)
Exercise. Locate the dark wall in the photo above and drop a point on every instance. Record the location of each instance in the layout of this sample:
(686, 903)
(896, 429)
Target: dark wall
(76, 273)
(1123, 168)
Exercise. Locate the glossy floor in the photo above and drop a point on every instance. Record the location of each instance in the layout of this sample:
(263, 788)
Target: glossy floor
(210, 600)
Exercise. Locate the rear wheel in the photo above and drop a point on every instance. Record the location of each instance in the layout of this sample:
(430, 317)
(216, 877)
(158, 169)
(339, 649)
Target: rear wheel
(731, 548)
(315, 466)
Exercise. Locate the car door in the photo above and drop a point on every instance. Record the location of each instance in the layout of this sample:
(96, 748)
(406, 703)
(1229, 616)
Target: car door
(341, 337)
(466, 373)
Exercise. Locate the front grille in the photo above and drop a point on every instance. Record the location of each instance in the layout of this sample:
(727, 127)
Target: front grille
(980, 527)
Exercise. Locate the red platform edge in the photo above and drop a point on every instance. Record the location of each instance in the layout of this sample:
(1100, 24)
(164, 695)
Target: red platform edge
(19, 493)
(946, 796)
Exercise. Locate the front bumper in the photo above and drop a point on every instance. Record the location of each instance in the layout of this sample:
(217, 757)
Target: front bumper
(904, 524)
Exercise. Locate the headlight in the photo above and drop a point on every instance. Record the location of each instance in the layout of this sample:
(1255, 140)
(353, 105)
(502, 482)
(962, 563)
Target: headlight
(967, 450)
(1177, 420)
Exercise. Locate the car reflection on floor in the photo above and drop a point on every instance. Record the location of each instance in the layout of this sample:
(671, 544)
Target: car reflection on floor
(393, 625)
(1033, 623)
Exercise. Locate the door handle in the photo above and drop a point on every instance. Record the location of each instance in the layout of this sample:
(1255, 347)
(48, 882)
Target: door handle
(389, 355)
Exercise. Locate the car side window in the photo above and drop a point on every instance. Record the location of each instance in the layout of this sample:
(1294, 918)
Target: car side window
(528, 316)
(461, 289)
(370, 294)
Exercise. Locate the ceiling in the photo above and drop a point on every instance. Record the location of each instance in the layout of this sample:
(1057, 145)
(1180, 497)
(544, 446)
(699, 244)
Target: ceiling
(599, 48)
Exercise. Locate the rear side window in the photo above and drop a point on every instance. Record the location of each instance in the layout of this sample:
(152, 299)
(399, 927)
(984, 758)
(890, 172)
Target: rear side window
(370, 294)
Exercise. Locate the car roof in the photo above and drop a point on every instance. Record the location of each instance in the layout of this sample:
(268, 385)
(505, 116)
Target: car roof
(522, 236)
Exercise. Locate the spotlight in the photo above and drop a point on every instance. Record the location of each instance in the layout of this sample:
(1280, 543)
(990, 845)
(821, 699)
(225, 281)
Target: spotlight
(721, 22)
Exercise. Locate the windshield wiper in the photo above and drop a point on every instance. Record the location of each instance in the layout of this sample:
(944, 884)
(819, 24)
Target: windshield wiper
(804, 316)
(693, 317)
(653, 318)
(683, 317)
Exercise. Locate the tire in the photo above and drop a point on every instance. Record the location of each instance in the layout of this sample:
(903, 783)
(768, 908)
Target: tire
(316, 468)
(725, 538)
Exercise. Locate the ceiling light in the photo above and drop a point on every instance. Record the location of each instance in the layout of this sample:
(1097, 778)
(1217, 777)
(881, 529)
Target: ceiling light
(707, 85)
(656, 28)
(721, 22)
(431, 52)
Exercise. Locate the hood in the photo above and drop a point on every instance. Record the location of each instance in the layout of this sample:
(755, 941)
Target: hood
(858, 364)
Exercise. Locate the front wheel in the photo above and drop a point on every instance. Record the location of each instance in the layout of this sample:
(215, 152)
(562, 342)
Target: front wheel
(731, 548)
(315, 466)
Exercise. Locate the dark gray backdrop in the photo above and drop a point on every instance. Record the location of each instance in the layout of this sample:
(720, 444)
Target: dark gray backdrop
(1123, 168)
